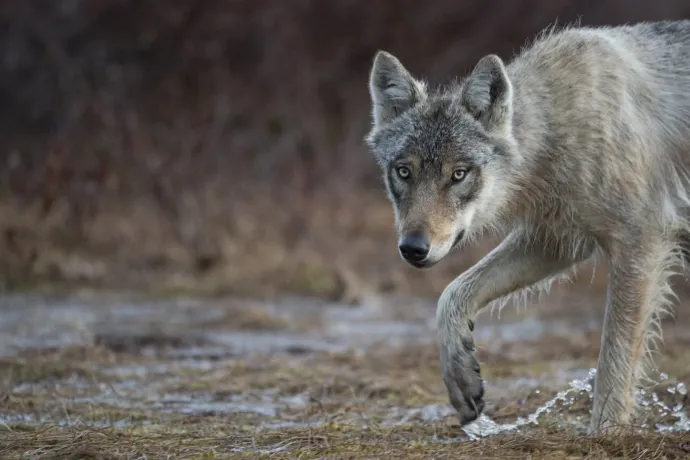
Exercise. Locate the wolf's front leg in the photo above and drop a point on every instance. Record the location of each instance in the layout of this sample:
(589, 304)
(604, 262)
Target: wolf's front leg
(637, 294)
(519, 261)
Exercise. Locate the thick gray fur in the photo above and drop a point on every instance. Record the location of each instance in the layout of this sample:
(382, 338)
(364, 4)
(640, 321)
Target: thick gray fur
(578, 148)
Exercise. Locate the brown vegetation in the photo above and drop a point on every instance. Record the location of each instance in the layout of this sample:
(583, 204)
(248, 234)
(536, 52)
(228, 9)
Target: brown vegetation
(217, 145)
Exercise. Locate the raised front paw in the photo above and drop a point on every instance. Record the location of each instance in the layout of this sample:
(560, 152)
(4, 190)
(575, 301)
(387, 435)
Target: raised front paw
(462, 376)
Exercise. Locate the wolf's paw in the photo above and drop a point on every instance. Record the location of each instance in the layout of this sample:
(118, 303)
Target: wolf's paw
(462, 376)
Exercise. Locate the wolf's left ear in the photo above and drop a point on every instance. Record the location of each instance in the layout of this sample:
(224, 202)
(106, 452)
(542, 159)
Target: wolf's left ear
(392, 88)
(488, 94)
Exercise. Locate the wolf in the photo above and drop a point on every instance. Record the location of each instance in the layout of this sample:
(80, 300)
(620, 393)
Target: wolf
(577, 149)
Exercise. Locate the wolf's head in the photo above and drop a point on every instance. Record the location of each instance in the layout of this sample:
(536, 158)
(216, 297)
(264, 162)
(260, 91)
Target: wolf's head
(446, 155)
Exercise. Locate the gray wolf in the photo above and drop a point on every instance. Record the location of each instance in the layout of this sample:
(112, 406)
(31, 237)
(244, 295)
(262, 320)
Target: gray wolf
(577, 149)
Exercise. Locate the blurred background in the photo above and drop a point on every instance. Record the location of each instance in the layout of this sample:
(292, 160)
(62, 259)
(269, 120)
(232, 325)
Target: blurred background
(217, 147)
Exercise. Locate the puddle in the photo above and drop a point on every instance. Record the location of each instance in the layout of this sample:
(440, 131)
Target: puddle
(153, 397)
(559, 404)
(242, 343)
(265, 404)
(146, 370)
(428, 413)
(196, 329)
(7, 421)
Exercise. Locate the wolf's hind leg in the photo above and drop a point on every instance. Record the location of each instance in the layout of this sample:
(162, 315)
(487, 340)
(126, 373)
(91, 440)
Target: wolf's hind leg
(638, 293)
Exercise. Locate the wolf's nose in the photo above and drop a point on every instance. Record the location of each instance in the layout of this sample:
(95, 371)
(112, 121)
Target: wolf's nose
(414, 247)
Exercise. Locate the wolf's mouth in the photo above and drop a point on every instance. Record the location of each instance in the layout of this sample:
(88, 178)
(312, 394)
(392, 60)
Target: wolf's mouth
(421, 264)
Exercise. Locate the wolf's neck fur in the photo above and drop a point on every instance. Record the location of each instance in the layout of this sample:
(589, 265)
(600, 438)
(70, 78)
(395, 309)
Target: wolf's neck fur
(530, 174)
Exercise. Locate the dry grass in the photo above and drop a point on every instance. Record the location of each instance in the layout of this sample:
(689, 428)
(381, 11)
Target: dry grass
(348, 398)
(214, 439)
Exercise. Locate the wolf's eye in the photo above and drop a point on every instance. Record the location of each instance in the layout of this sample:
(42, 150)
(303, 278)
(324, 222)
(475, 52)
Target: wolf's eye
(403, 172)
(459, 174)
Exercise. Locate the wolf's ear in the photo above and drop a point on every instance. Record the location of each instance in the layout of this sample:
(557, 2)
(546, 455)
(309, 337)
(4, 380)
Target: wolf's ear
(488, 94)
(392, 88)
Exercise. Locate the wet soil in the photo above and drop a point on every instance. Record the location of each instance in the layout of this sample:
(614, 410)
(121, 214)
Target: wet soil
(113, 376)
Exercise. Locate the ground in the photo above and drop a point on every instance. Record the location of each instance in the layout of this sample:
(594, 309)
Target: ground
(137, 156)
(101, 375)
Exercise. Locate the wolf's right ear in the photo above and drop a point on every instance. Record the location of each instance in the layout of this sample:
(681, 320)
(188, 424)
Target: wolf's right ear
(488, 94)
(392, 88)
